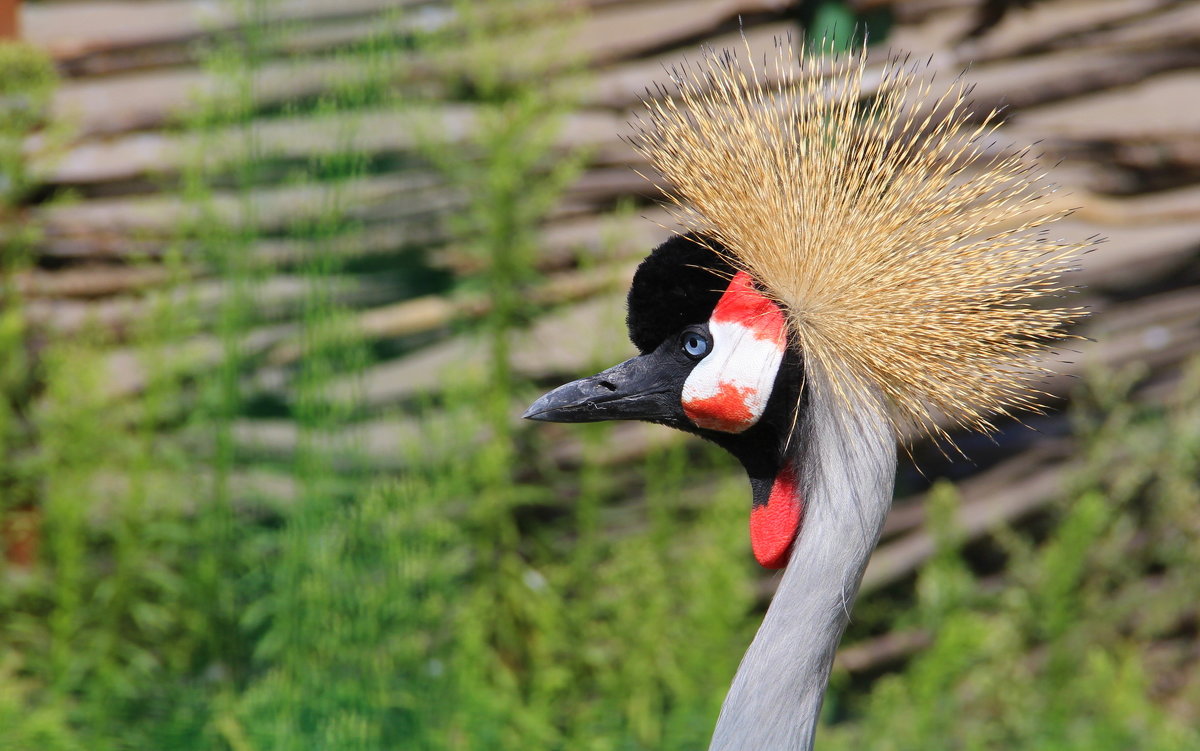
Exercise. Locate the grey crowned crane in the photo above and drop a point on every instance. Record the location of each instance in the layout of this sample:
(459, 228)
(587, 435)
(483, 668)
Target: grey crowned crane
(858, 265)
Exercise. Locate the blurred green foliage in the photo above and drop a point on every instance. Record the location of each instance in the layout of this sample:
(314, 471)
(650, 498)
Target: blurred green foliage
(27, 80)
(482, 598)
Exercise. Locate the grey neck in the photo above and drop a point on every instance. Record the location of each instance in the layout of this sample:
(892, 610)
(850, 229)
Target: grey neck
(848, 462)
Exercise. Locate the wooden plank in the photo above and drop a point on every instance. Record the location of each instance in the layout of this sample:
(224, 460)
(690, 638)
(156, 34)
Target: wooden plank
(377, 132)
(1178, 24)
(638, 28)
(882, 650)
(1049, 79)
(151, 99)
(410, 201)
(561, 244)
(1160, 332)
(266, 252)
(318, 37)
(1064, 71)
(126, 373)
(624, 85)
(274, 298)
(976, 516)
(910, 12)
(1061, 25)
(422, 370)
(552, 344)
(385, 197)
(1178, 205)
(396, 442)
(101, 227)
(582, 241)
(252, 490)
(432, 312)
(137, 101)
(109, 36)
(72, 30)
(91, 280)
(909, 514)
(937, 33)
(1129, 254)
(1121, 114)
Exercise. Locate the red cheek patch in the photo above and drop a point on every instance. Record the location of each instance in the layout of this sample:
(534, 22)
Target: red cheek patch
(727, 410)
(745, 305)
(775, 525)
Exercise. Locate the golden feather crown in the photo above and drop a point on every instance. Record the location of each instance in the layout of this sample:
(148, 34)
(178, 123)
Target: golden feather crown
(912, 258)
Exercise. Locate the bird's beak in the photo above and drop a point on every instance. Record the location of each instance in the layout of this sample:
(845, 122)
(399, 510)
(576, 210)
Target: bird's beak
(633, 390)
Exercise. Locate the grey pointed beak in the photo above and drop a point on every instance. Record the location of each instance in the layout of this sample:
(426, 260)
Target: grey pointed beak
(633, 390)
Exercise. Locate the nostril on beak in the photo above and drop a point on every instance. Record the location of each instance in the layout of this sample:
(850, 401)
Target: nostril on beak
(607, 385)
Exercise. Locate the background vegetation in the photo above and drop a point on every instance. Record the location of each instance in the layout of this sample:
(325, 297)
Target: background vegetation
(177, 575)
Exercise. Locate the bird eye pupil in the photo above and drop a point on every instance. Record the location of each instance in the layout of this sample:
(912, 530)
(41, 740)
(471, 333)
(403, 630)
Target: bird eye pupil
(695, 345)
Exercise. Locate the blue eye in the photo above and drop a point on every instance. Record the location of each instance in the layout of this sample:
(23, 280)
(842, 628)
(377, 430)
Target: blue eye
(695, 344)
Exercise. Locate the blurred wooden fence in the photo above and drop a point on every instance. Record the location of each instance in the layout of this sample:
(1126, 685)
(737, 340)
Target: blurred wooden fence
(1110, 90)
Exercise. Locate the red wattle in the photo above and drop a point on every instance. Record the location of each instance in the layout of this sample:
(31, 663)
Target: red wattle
(774, 526)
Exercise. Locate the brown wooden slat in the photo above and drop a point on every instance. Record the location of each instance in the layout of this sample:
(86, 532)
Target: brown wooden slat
(74, 29)
(623, 85)
(126, 374)
(276, 208)
(91, 280)
(433, 312)
(1121, 114)
(882, 650)
(276, 297)
(137, 101)
(552, 344)
(379, 132)
(1063, 25)
(410, 201)
(151, 99)
(1176, 25)
(640, 27)
(1027, 82)
(909, 514)
(1023, 495)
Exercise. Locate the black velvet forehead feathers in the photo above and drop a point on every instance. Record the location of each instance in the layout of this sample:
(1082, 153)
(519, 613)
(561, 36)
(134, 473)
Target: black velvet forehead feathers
(677, 285)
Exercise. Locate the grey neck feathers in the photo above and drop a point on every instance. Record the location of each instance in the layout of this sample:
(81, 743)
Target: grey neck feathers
(848, 462)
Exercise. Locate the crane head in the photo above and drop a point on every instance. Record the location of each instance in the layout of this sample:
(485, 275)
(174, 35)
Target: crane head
(848, 210)
(715, 360)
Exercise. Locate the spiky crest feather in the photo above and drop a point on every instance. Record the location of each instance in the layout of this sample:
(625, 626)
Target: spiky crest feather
(910, 260)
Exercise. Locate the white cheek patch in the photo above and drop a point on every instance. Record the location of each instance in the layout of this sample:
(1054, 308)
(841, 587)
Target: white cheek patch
(729, 389)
